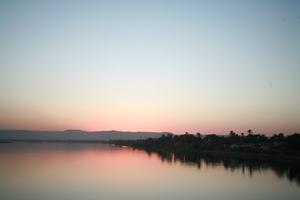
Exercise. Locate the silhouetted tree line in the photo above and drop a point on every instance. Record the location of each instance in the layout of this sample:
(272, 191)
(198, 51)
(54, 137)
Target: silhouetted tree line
(278, 144)
(249, 152)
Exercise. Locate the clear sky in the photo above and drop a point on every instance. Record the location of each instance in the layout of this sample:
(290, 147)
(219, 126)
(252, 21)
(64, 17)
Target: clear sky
(207, 66)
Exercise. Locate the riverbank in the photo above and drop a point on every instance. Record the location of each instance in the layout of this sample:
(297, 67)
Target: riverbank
(191, 146)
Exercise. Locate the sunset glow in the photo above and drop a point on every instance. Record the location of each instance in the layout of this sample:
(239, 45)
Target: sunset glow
(176, 66)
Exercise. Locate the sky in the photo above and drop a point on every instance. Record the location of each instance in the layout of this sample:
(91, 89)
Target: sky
(196, 66)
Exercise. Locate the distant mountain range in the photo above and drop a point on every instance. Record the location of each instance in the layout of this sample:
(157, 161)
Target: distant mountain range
(75, 135)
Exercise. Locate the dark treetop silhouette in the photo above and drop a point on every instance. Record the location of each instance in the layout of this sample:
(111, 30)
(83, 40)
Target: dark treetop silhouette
(253, 152)
(277, 147)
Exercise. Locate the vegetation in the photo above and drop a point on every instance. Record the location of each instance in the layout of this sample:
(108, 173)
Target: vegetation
(250, 152)
(286, 147)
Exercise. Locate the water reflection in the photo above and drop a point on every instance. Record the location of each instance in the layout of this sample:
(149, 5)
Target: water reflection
(52, 171)
(248, 166)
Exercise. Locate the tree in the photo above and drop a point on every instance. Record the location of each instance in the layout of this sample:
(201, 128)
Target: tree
(277, 138)
(250, 131)
(232, 134)
(293, 141)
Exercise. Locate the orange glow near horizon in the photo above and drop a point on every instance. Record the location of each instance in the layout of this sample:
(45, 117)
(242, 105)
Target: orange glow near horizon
(177, 126)
(150, 66)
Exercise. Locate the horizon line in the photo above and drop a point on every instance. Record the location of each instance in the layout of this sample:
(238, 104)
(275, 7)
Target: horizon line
(168, 132)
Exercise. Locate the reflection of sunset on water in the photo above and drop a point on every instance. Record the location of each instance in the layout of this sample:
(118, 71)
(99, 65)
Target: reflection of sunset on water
(73, 171)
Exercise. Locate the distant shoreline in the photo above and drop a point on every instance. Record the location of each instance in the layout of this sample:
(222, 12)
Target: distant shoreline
(220, 153)
(53, 141)
(252, 146)
(74, 135)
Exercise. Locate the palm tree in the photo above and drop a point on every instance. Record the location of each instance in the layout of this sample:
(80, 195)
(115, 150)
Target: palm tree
(232, 133)
(250, 132)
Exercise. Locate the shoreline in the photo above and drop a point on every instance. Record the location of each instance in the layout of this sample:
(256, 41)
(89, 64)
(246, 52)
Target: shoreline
(52, 141)
(219, 153)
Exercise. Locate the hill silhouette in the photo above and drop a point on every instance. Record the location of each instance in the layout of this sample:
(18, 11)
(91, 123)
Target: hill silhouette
(75, 135)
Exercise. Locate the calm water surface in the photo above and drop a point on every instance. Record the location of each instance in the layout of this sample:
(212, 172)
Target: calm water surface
(97, 171)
